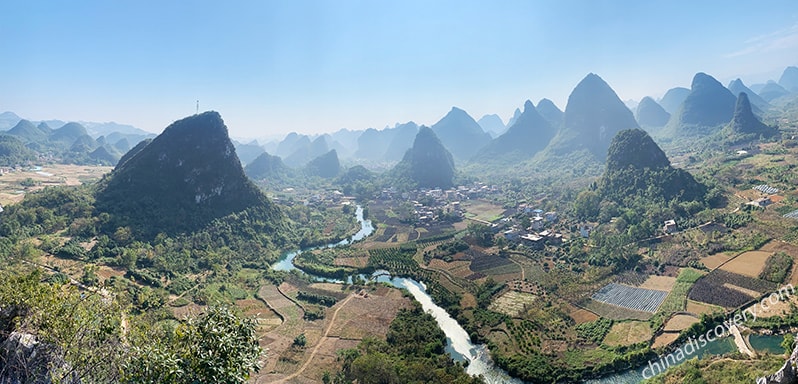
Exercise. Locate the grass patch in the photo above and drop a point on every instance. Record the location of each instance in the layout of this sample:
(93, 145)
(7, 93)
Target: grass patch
(777, 267)
(628, 333)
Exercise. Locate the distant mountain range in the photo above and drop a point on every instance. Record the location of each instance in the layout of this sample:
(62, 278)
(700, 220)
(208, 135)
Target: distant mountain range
(72, 142)
(593, 114)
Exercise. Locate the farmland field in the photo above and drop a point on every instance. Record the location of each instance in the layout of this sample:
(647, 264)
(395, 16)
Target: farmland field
(702, 308)
(615, 312)
(714, 288)
(680, 322)
(639, 299)
(659, 283)
(512, 303)
(50, 175)
(676, 299)
(748, 263)
(716, 260)
(483, 210)
(628, 333)
(491, 264)
(580, 315)
(664, 339)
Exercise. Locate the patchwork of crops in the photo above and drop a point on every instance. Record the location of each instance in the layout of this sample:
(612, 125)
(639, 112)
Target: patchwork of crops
(483, 262)
(714, 288)
(638, 299)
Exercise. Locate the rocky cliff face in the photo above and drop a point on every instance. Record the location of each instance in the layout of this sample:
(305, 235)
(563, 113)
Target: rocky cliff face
(788, 374)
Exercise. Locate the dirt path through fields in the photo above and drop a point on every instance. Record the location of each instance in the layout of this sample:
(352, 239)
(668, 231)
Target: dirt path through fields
(319, 344)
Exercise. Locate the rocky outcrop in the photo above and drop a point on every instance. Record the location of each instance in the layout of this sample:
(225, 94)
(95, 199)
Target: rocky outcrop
(788, 374)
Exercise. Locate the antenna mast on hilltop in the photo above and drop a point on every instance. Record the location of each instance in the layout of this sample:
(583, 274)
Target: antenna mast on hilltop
(197, 108)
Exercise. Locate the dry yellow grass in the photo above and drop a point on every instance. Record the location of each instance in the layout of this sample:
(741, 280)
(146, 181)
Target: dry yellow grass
(779, 309)
(664, 339)
(628, 333)
(680, 322)
(699, 308)
(659, 283)
(748, 263)
(714, 261)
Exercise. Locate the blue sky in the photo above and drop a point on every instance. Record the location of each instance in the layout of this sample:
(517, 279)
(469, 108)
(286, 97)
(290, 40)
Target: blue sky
(272, 67)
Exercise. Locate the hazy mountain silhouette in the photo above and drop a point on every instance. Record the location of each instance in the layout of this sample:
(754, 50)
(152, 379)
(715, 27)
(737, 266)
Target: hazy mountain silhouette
(68, 134)
(745, 122)
(403, 136)
(268, 167)
(736, 87)
(184, 178)
(789, 79)
(673, 99)
(372, 144)
(516, 115)
(529, 135)
(709, 105)
(772, 91)
(248, 152)
(492, 124)
(306, 151)
(460, 134)
(650, 114)
(593, 116)
(325, 166)
(427, 164)
(27, 132)
(549, 111)
(8, 120)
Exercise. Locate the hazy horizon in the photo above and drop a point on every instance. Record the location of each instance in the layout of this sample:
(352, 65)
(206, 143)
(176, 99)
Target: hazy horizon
(313, 67)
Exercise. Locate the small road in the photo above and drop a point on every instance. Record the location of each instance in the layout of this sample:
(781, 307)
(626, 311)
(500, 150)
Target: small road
(318, 345)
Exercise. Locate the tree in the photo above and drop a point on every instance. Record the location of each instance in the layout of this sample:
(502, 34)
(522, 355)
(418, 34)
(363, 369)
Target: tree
(300, 340)
(76, 334)
(788, 343)
(217, 347)
(482, 234)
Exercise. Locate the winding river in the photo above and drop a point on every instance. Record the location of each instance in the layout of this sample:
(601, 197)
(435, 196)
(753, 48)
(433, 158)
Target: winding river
(458, 343)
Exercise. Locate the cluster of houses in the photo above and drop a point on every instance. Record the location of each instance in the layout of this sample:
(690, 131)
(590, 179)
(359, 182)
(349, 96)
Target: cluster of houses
(769, 198)
(331, 198)
(535, 235)
(459, 193)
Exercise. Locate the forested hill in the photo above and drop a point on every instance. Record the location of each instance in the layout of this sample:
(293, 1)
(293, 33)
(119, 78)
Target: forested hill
(179, 182)
(636, 166)
(427, 164)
